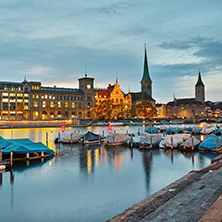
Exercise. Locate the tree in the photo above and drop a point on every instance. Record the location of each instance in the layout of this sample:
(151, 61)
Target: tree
(20, 111)
(104, 109)
(145, 109)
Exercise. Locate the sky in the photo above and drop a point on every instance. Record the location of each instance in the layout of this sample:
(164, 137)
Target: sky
(51, 41)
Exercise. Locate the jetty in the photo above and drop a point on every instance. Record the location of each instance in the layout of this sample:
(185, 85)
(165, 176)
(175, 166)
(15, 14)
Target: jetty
(195, 197)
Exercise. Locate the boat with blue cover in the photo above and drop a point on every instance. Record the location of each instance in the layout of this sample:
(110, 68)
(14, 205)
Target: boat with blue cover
(211, 143)
(151, 129)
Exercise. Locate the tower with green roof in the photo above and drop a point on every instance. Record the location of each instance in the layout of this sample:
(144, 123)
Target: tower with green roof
(200, 90)
(146, 82)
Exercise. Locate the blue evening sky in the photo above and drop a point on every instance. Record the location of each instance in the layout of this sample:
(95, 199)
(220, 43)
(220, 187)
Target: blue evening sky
(51, 41)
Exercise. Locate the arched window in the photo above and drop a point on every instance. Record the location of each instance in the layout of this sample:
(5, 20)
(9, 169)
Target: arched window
(80, 105)
(59, 104)
(73, 105)
(66, 105)
(88, 105)
(52, 104)
(44, 104)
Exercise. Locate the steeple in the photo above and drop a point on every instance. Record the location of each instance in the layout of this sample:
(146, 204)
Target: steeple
(146, 74)
(199, 81)
(200, 90)
(146, 82)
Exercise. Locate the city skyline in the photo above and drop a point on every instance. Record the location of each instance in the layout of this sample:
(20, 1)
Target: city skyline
(51, 42)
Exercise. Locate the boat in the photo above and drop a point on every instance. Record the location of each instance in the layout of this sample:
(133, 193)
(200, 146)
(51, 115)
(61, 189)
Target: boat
(150, 141)
(151, 129)
(190, 144)
(116, 139)
(211, 143)
(173, 141)
(196, 131)
(90, 138)
(217, 131)
(24, 149)
(187, 129)
(72, 137)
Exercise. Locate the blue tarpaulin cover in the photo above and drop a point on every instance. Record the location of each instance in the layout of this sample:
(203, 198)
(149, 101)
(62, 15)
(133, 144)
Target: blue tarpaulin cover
(23, 146)
(210, 142)
(91, 136)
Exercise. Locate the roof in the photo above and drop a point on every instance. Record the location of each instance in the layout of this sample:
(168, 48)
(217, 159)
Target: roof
(138, 96)
(61, 89)
(184, 102)
(146, 74)
(103, 92)
(199, 81)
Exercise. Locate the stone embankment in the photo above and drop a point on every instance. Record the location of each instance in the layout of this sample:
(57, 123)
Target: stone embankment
(194, 197)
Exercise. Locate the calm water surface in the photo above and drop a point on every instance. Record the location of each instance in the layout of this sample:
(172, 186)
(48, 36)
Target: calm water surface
(87, 183)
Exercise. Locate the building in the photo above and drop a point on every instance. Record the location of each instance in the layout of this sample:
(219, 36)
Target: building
(31, 100)
(145, 96)
(188, 107)
(112, 103)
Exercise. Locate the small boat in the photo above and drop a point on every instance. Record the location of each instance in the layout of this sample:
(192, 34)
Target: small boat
(116, 139)
(196, 131)
(151, 129)
(90, 138)
(211, 143)
(72, 138)
(187, 129)
(190, 144)
(150, 141)
(173, 141)
(218, 131)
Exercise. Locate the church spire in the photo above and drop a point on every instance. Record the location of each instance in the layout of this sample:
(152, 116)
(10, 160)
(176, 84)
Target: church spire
(199, 81)
(146, 74)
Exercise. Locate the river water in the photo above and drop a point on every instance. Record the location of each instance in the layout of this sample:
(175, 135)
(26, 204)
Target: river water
(87, 183)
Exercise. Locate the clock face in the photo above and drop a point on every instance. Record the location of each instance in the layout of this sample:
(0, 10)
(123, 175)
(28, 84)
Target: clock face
(88, 86)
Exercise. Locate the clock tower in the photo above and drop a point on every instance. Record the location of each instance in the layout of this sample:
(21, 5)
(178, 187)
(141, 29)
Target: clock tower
(86, 84)
(199, 90)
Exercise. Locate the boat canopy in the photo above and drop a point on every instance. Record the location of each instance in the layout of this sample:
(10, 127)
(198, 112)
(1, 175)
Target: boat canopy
(151, 129)
(23, 146)
(91, 136)
(210, 143)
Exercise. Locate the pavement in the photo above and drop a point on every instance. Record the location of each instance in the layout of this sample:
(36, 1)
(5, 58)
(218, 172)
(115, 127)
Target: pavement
(195, 197)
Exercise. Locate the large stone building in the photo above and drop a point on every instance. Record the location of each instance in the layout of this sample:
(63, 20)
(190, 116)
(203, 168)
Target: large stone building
(31, 100)
(188, 107)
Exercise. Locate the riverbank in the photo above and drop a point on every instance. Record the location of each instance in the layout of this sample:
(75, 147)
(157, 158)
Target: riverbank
(187, 199)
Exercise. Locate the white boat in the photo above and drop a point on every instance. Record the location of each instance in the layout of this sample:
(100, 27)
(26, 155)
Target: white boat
(150, 141)
(116, 139)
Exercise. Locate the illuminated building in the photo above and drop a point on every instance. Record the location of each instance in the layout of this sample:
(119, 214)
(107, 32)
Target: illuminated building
(119, 103)
(41, 102)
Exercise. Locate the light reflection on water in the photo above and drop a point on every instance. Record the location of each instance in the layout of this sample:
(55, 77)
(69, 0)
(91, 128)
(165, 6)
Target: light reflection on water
(87, 183)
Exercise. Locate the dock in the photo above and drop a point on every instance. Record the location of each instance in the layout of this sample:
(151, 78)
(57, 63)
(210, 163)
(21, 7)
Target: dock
(194, 197)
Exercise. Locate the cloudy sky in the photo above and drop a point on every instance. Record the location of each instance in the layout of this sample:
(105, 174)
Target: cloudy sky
(51, 41)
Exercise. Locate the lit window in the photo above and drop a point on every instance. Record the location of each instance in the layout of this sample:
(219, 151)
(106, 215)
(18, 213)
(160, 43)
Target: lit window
(53, 97)
(19, 88)
(4, 94)
(44, 104)
(19, 95)
(66, 105)
(73, 105)
(35, 104)
(59, 104)
(33, 96)
(5, 100)
(50, 97)
(26, 95)
(26, 107)
(52, 104)
(42, 97)
(19, 100)
(37, 96)
(26, 100)
(33, 87)
(46, 96)
(12, 94)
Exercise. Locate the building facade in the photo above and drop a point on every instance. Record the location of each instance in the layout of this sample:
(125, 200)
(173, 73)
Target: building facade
(31, 100)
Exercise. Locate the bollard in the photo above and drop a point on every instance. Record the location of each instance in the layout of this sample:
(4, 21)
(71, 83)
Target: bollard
(11, 158)
(99, 139)
(42, 154)
(131, 140)
(71, 138)
(151, 140)
(59, 137)
(113, 140)
(138, 131)
(192, 143)
(0, 155)
(47, 137)
(27, 155)
(103, 134)
(171, 142)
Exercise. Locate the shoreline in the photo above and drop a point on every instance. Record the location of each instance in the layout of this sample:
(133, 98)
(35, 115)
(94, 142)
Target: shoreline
(157, 205)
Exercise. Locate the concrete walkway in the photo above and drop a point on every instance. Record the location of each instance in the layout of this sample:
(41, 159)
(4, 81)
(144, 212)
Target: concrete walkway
(187, 199)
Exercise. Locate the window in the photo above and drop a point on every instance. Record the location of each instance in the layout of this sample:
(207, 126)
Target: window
(26, 95)
(35, 104)
(117, 101)
(37, 96)
(33, 96)
(64, 97)
(4, 94)
(44, 104)
(59, 104)
(73, 105)
(88, 105)
(12, 94)
(66, 105)
(46, 96)
(52, 104)
(80, 105)
(26, 107)
(60, 97)
(50, 97)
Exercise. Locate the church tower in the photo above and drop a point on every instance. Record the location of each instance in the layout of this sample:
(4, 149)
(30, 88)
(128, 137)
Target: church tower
(146, 82)
(199, 90)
